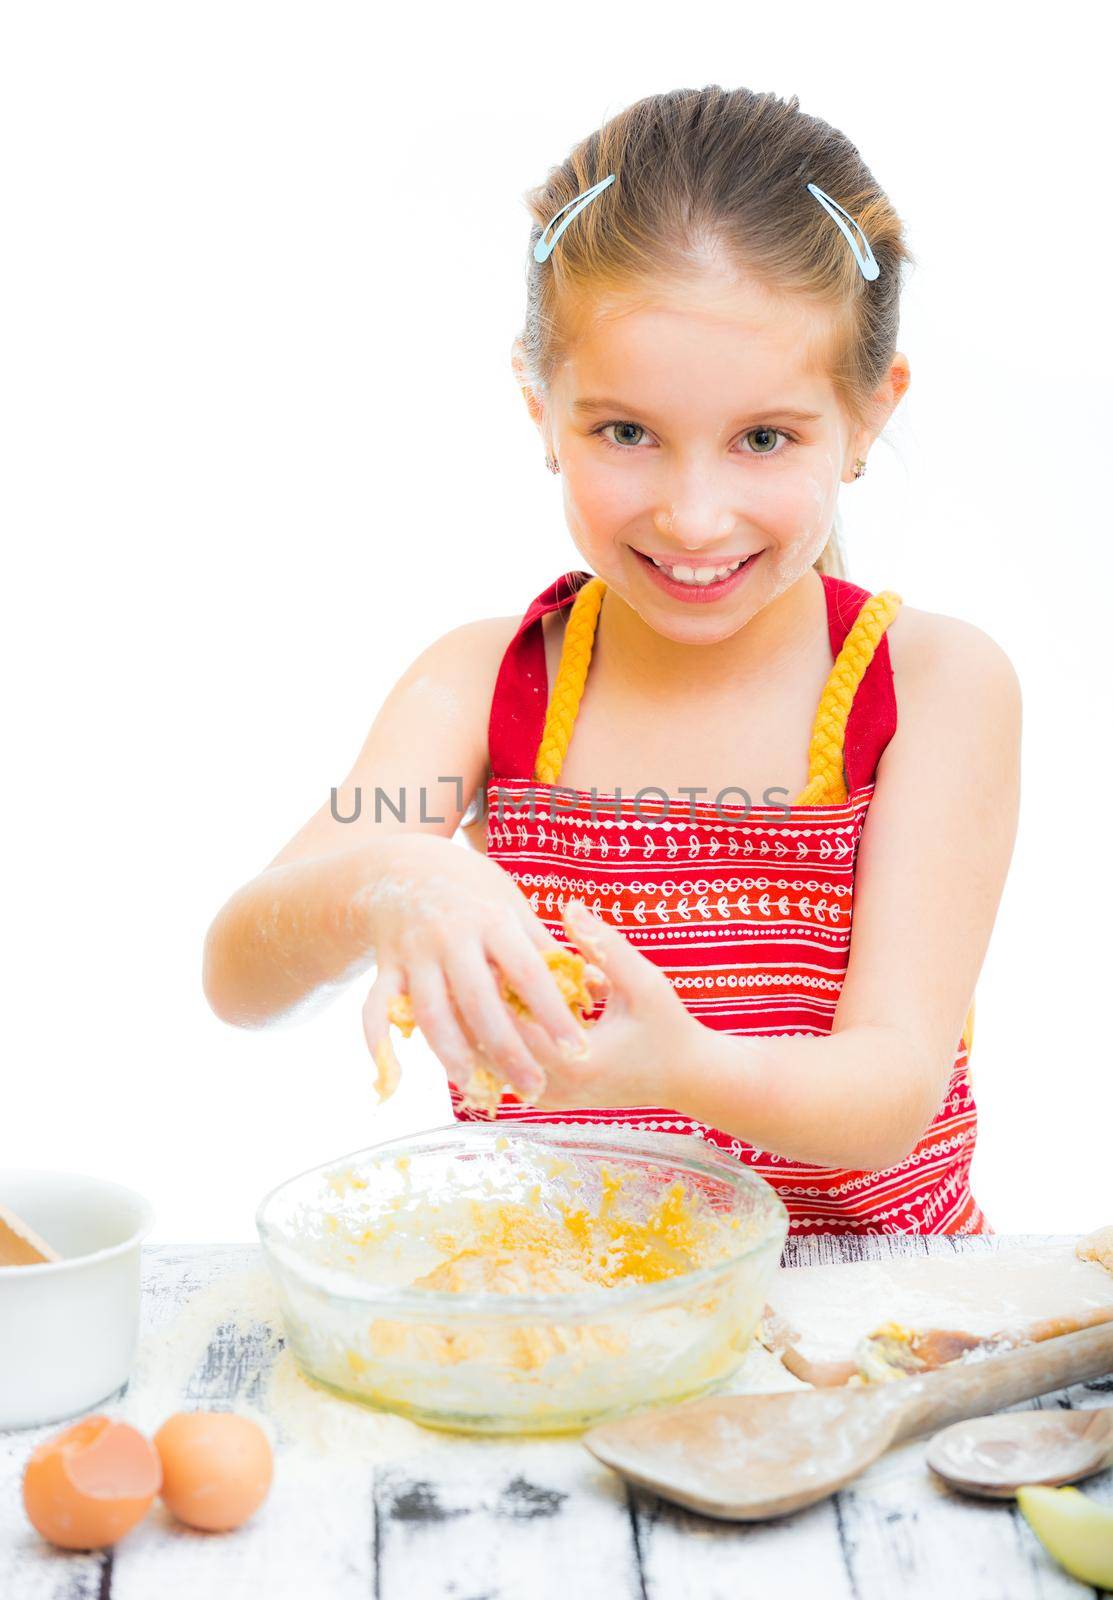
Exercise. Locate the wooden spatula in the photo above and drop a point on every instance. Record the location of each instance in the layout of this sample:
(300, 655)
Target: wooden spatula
(20, 1245)
(746, 1457)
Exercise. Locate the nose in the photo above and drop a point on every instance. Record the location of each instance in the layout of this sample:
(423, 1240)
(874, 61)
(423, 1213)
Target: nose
(694, 511)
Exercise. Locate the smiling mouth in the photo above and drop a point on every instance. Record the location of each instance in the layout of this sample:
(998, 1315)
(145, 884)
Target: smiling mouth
(698, 577)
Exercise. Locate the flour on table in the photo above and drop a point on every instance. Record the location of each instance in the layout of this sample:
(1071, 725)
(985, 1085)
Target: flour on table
(179, 1357)
(170, 1369)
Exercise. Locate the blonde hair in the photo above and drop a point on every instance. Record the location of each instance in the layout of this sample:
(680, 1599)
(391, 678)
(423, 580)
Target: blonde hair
(726, 170)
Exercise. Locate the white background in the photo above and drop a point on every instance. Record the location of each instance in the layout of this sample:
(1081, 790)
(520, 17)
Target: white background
(261, 270)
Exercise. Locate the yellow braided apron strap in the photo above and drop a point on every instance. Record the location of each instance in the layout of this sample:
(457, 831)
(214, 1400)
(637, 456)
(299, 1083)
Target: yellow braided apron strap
(568, 690)
(826, 785)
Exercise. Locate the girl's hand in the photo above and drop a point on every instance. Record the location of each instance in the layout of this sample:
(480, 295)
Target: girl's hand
(637, 1049)
(445, 923)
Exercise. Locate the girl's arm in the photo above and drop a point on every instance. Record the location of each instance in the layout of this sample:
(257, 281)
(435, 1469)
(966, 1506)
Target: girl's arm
(932, 863)
(303, 926)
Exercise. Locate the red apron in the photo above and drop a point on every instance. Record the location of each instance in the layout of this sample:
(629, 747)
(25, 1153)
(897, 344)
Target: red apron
(747, 912)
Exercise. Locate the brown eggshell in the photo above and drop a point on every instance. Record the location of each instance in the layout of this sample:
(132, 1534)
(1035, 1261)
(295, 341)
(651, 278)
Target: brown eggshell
(87, 1486)
(216, 1468)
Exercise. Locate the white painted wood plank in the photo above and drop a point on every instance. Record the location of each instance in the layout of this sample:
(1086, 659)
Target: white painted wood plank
(907, 1532)
(687, 1557)
(530, 1519)
(312, 1536)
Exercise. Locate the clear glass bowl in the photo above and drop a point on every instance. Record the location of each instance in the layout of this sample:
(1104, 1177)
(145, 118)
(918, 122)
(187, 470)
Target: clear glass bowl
(664, 1251)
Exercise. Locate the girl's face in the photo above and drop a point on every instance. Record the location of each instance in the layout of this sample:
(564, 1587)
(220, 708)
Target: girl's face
(695, 430)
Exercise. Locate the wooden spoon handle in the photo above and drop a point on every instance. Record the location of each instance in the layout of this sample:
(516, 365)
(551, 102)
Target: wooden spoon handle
(20, 1245)
(976, 1388)
(1055, 1327)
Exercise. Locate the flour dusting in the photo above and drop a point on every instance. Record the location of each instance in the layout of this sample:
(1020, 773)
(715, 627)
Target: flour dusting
(191, 1357)
(177, 1367)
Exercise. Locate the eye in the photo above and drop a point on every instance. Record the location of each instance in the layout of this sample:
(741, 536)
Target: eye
(770, 434)
(621, 428)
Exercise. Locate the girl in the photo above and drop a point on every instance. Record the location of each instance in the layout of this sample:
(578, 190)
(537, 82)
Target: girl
(696, 734)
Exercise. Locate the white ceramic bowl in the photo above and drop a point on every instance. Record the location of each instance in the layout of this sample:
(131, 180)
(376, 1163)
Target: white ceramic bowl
(68, 1328)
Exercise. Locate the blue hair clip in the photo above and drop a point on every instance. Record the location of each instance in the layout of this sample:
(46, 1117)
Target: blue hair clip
(867, 262)
(543, 249)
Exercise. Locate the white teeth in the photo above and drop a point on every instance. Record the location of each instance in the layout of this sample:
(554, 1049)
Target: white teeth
(699, 575)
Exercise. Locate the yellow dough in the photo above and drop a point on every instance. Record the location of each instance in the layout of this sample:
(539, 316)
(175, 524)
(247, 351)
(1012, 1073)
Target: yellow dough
(484, 1088)
(1097, 1246)
(517, 1248)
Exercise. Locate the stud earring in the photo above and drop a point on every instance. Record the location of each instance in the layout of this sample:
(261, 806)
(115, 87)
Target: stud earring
(859, 466)
(552, 463)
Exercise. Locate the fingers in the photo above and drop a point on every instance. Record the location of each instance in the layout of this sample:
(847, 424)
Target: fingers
(437, 1019)
(545, 941)
(596, 980)
(608, 948)
(566, 1082)
(540, 937)
(487, 1020)
(586, 930)
(531, 980)
(389, 981)
(458, 1005)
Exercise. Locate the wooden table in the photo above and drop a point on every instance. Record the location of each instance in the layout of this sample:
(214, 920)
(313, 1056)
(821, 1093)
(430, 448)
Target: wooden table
(403, 1513)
